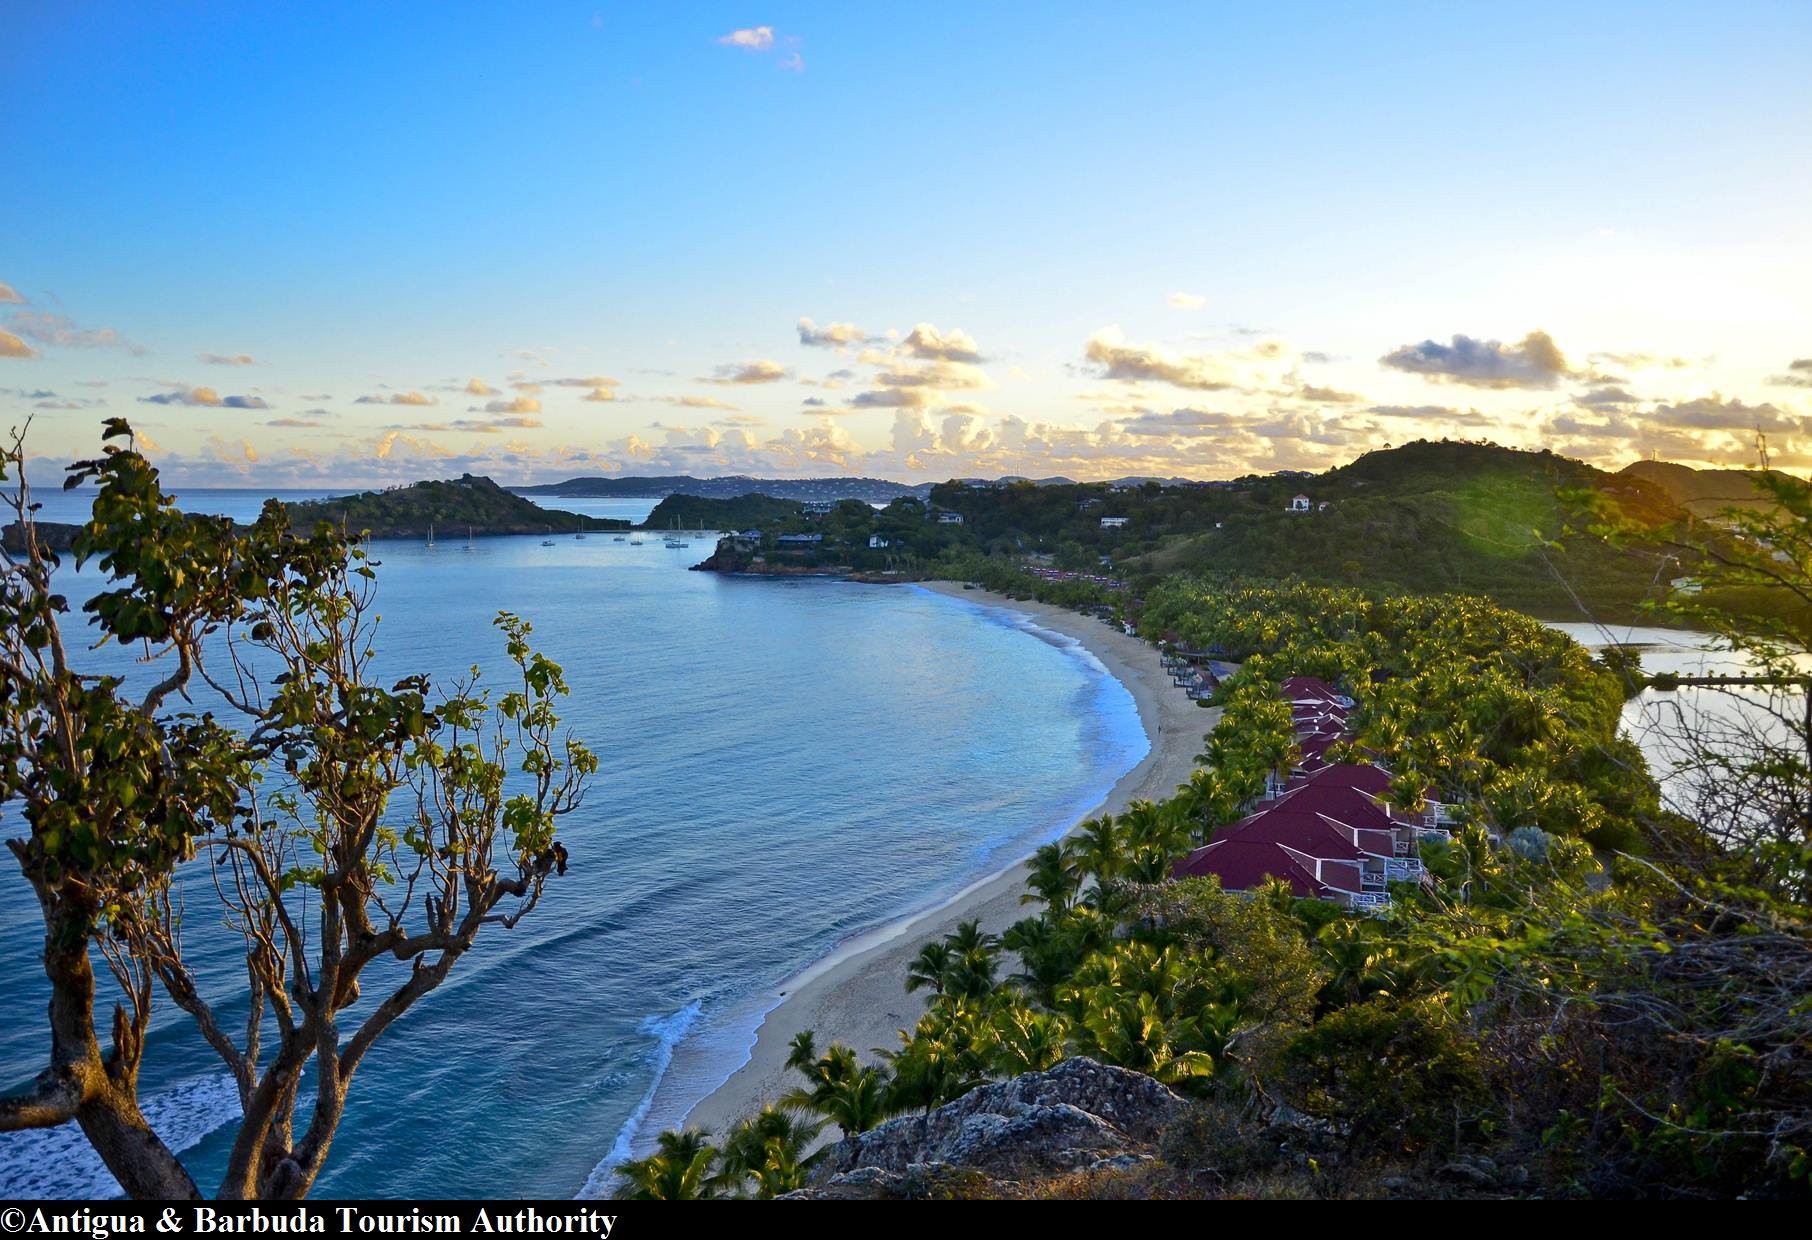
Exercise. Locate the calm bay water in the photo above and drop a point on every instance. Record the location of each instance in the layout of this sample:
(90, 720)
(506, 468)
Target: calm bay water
(784, 764)
(1660, 720)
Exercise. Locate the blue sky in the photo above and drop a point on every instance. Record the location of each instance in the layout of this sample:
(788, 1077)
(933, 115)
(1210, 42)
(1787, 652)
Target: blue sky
(1190, 239)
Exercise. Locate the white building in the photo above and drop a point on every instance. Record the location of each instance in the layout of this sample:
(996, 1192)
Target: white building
(1112, 523)
(1301, 503)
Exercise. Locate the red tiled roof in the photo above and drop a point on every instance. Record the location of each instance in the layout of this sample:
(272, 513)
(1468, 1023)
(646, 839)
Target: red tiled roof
(1315, 834)
(1362, 776)
(1241, 864)
(1336, 800)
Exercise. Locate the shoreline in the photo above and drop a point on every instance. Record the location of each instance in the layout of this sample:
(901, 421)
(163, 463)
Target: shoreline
(857, 994)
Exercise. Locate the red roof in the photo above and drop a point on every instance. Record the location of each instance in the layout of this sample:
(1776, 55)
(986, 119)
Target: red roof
(1363, 776)
(1316, 834)
(1336, 800)
(1240, 864)
(1302, 688)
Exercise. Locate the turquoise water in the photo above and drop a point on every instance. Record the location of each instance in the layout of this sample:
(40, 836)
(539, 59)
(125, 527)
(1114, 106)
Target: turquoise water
(784, 765)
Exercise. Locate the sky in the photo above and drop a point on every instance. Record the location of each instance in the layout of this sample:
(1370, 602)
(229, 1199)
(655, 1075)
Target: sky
(323, 245)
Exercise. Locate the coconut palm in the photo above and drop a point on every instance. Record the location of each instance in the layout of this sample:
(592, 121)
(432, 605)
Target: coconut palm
(1053, 877)
(678, 1170)
(768, 1148)
(929, 967)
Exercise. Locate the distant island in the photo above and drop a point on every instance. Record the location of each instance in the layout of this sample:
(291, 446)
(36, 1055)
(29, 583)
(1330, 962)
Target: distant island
(469, 502)
(451, 508)
(869, 490)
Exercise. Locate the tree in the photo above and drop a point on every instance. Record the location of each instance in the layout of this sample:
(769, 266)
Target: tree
(341, 821)
(929, 967)
(1745, 764)
(679, 1170)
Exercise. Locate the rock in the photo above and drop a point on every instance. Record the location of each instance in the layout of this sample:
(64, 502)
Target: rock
(1080, 1114)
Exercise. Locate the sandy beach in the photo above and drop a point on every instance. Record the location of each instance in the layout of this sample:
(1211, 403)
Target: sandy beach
(859, 996)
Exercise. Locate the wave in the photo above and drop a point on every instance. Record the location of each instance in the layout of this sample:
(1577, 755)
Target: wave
(668, 1032)
(59, 1163)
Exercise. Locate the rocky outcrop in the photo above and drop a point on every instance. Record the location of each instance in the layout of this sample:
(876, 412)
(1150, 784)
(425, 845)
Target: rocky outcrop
(1079, 1115)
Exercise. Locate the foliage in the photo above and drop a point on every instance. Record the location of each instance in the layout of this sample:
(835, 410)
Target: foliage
(341, 821)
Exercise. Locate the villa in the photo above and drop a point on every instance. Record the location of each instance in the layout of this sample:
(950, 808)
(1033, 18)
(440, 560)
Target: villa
(1328, 829)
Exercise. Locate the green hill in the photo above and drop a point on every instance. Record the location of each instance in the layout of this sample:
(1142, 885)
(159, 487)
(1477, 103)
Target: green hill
(1703, 492)
(452, 507)
(1432, 517)
(697, 512)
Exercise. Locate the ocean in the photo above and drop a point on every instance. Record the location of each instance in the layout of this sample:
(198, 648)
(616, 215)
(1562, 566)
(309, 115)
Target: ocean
(784, 765)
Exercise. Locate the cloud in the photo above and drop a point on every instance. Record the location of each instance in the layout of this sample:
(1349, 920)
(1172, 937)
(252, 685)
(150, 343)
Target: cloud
(1186, 301)
(793, 62)
(1433, 413)
(478, 387)
(1326, 396)
(1798, 374)
(753, 39)
(12, 346)
(600, 394)
(926, 341)
(1712, 413)
(942, 375)
(61, 331)
(204, 397)
(750, 372)
(521, 404)
(1189, 422)
(1642, 361)
(476, 426)
(1604, 397)
(696, 402)
(398, 398)
(227, 359)
(587, 381)
(10, 295)
(831, 335)
(1533, 362)
(295, 423)
(1119, 360)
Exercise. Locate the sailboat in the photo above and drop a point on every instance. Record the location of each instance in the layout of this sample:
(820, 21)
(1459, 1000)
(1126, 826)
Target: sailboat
(430, 535)
(469, 546)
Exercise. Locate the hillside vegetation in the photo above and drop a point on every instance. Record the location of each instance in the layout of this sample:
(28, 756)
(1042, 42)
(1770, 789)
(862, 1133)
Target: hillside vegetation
(450, 506)
(1704, 492)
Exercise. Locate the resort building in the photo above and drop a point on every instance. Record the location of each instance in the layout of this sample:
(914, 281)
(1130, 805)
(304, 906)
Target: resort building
(799, 542)
(1113, 523)
(946, 517)
(1301, 503)
(818, 507)
(1327, 829)
(876, 542)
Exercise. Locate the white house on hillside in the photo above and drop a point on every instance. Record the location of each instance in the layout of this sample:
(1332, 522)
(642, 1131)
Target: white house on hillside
(1301, 503)
(1112, 523)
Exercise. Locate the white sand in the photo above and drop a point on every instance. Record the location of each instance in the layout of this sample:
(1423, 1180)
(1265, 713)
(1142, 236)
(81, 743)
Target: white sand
(859, 997)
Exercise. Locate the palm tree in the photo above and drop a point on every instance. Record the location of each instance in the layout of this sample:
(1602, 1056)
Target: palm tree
(929, 967)
(857, 1103)
(1027, 1040)
(678, 1170)
(768, 1148)
(971, 974)
(968, 937)
(1100, 847)
(802, 1050)
(1052, 876)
